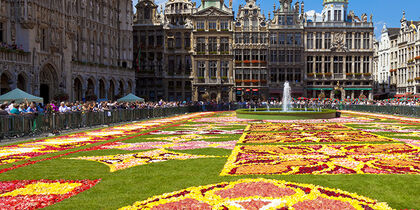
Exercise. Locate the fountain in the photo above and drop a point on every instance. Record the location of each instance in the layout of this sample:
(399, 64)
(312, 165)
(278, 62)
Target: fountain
(287, 112)
(287, 97)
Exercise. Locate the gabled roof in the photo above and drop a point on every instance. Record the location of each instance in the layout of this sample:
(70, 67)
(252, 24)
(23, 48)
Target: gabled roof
(393, 31)
(213, 11)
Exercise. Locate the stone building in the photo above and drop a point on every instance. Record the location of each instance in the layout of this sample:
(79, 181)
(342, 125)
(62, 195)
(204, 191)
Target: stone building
(383, 63)
(76, 50)
(407, 71)
(250, 50)
(148, 45)
(286, 49)
(338, 53)
(212, 58)
(178, 27)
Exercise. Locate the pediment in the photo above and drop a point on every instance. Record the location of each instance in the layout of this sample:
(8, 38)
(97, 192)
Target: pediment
(212, 11)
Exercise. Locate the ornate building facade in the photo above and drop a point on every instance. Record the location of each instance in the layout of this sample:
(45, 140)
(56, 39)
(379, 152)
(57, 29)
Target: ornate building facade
(212, 58)
(178, 29)
(286, 49)
(148, 49)
(338, 53)
(250, 50)
(74, 50)
(407, 75)
(399, 60)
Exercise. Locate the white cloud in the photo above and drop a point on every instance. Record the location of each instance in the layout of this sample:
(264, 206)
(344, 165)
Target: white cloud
(311, 14)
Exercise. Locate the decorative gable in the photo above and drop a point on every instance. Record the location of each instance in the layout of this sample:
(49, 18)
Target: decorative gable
(213, 11)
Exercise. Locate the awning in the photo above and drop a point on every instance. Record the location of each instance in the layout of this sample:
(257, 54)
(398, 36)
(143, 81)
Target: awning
(399, 96)
(320, 88)
(357, 88)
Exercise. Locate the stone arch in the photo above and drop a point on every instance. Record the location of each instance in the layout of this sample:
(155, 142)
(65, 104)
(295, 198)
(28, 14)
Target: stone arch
(121, 88)
(5, 82)
(102, 89)
(111, 90)
(129, 87)
(22, 81)
(48, 81)
(78, 89)
(90, 93)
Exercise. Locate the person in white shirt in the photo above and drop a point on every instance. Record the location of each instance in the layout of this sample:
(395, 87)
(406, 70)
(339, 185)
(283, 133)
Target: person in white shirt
(62, 108)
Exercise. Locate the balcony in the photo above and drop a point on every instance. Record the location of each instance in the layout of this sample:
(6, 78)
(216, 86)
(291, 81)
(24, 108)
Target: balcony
(15, 56)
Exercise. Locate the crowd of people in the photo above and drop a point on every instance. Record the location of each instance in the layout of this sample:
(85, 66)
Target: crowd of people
(28, 108)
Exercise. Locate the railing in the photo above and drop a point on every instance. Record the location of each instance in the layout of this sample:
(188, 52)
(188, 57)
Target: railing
(31, 125)
(411, 111)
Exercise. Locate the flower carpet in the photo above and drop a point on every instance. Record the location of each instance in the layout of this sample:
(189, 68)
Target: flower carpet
(10, 154)
(324, 159)
(259, 194)
(168, 145)
(124, 161)
(312, 136)
(35, 194)
(216, 161)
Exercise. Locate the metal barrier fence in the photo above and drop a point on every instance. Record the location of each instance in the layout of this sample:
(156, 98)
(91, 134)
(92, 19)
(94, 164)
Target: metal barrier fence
(32, 125)
(411, 111)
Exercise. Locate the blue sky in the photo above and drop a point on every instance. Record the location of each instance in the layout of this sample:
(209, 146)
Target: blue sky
(384, 11)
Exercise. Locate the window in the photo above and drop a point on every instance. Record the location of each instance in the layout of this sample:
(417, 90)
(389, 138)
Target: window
(366, 41)
(255, 38)
(318, 41)
(224, 26)
(329, 15)
(318, 64)
(213, 69)
(349, 40)
(327, 64)
(200, 25)
(238, 55)
(366, 64)
(297, 56)
(282, 38)
(327, 41)
(238, 38)
(357, 64)
(274, 56)
(357, 40)
(282, 20)
(310, 64)
(224, 45)
(159, 41)
(289, 39)
(201, 68)
(289, 20)
(349, 62)
(282, 56)
(246, 38)
(201, 44)
(263, 38)
(178, 40)
(2, 38)
(337, 15)
(263, 55)
(273, 38)
(212, 45)
(254, 55)
(224, 69)
(43, 39)
(338, 64)
(310, 41)
(273, 75)
(238, 74)
(289, 56)
(246, 55)
(298, 39)
(212, 25)
(187, 41)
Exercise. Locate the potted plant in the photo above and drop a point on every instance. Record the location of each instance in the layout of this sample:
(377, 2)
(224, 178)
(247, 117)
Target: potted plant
(367, 74)
(310, 74)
